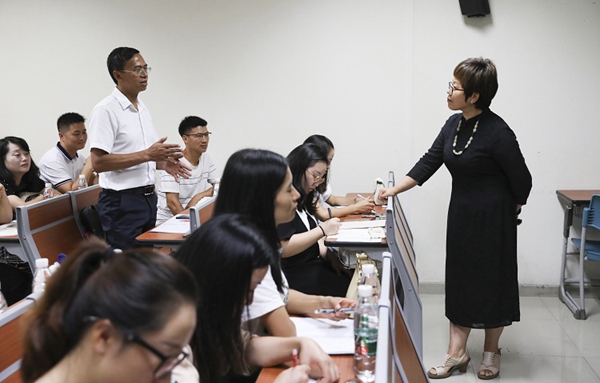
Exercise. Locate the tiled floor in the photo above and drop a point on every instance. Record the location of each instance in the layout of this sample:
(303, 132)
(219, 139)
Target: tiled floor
(548, 345)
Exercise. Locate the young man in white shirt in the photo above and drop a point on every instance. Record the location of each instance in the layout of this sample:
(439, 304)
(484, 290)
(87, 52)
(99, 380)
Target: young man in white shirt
(126, 152)
(173, 196)
(62, 165)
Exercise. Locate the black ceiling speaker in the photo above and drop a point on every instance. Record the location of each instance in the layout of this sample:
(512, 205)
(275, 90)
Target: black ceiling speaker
(474, 8)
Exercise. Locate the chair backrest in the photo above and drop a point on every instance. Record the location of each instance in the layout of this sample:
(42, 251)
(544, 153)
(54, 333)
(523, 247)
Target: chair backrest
(48, 228)
(11, 344)
(202, 212)
(591, 214)
(80, 199)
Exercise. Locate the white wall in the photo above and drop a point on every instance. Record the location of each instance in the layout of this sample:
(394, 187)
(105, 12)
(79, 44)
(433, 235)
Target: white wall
(371, 75)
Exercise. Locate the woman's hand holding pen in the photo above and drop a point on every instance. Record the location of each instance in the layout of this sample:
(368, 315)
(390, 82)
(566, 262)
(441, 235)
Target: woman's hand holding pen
(297, 374)
(337, 304)
(321, 364)
(364, 205)
(331, 226)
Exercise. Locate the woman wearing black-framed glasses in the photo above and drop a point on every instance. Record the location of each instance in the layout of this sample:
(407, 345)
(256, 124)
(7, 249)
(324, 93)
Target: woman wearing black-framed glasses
(111, 317)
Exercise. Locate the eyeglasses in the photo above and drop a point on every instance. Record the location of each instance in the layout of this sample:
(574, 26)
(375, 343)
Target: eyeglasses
(167, 364)
(199, 135)
(317, 178)
(452, 88)
(138, 71)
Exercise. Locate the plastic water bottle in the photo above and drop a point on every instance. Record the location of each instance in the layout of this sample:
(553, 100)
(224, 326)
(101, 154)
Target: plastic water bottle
(366, 324)
(48, 192)
(41, 274)
(3, 303)
(369, 277)
(82, 183)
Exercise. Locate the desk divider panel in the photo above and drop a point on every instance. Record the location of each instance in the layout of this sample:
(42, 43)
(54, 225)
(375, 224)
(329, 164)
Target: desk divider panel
(201, 213)
(11, 343)
(404, 273)
(47, 228)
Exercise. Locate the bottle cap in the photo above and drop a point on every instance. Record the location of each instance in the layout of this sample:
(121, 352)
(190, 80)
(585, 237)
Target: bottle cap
(48, 185)
(368, 268)
(41, 262)
(62, 257)
(365, 291)
(82, 176)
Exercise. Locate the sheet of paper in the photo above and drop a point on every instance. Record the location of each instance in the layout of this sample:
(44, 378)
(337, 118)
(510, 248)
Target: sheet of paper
(174, 225)
(356, 235)
(8, 229)
(360, 224)
(335, 338)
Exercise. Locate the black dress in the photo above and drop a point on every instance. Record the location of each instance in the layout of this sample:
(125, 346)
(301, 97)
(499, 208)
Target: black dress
(488, 180)
(306, 271)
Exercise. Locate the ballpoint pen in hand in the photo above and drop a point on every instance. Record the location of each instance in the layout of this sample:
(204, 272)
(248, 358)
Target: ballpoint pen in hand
(346, 310)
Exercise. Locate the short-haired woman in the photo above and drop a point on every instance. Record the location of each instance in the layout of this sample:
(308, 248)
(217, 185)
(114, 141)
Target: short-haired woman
(490, 183)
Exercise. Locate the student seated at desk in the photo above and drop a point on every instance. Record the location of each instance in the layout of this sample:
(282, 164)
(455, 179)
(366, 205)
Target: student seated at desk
(345, 205)
(110, 317)
(19, 173)
(307, 264)
(258, 184)
(229, 257)
(6, 213)
(174, 196)
(15, 274)
(62, 165)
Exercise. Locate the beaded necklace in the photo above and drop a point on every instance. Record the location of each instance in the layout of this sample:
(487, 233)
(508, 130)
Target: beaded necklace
(468, 142)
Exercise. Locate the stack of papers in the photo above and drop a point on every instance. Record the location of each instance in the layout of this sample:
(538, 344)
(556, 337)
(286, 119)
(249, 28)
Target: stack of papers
(178, 224)
(361, 231)
(9, 229)
(335, 338)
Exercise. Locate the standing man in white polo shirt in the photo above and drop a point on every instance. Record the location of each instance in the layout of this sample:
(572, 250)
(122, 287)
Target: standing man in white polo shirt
(173, 196)
(62, 165)
(126, 151)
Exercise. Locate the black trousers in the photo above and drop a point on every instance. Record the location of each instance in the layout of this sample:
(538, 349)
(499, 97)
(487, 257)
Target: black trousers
(125, 215)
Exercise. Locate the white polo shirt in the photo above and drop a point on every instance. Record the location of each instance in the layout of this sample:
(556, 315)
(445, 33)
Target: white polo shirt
(186, 187)
(116, 127)
(58, 168)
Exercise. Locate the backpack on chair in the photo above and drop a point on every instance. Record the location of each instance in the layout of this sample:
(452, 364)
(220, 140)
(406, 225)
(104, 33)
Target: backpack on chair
(90, 219)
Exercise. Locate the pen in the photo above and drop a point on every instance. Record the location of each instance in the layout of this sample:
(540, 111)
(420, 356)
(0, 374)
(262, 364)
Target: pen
(331, 311)
(295, 357)
(182, 217)
(363, 197)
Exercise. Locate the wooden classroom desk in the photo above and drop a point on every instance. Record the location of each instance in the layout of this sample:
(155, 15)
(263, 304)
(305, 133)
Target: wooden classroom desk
(13, 245)
(374, 249)
(573, 201)
(344, 362)
(151, 238)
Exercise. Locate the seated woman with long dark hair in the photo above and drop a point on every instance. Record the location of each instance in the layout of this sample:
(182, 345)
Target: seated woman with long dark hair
(18, 172)
(229, 258)
(258, 184)
(110, 317)
(306, 262)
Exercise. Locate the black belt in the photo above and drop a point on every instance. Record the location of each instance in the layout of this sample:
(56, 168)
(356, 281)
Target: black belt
(142, 190)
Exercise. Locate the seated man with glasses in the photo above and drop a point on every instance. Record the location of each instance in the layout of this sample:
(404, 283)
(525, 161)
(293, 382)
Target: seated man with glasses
(173, 196)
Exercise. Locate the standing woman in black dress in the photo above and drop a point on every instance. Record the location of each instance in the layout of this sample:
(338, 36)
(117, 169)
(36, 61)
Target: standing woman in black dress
(490, 183)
